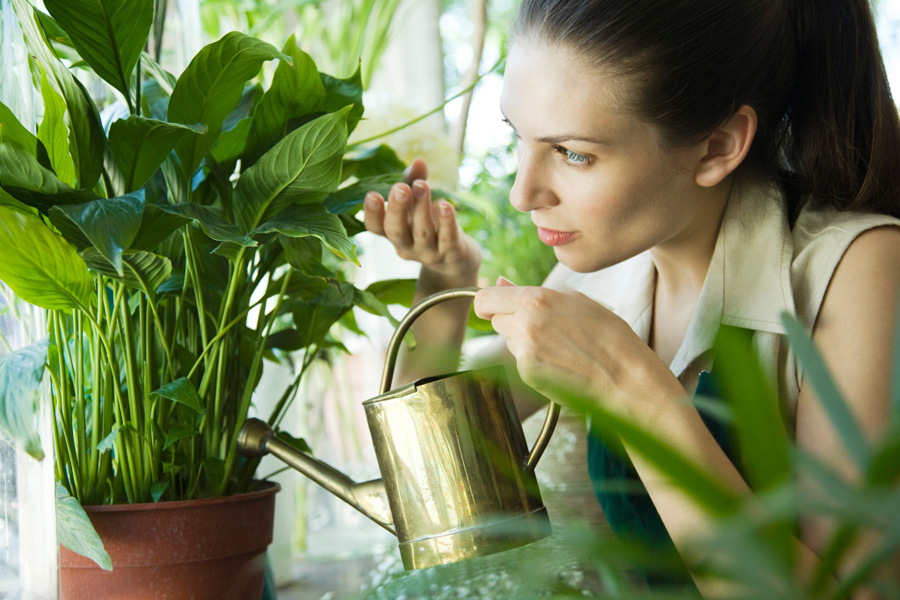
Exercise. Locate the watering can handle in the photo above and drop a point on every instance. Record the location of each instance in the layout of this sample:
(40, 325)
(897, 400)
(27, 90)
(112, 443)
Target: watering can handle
(415, 312)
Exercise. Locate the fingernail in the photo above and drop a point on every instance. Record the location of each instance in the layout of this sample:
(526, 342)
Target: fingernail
(370, 200)
(401, 195)
(504, 282)
(419, 190)
(446, 209)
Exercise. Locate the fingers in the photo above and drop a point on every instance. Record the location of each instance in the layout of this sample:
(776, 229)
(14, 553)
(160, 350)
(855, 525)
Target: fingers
(373, 213)
(417, 169)
(422, 219)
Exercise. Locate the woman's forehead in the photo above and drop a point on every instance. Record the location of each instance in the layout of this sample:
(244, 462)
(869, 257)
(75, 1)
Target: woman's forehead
(550, 87)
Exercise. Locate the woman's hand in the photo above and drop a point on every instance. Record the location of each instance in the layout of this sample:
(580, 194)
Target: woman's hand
(424, 231)
(568, 341)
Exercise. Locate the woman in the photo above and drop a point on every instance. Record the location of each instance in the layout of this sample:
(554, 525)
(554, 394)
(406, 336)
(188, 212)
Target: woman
(693, 164)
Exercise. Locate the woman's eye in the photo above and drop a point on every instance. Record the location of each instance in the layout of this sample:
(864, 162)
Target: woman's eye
(573, 157)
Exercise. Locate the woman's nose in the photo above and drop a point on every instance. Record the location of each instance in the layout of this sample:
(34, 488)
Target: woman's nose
(531, 189)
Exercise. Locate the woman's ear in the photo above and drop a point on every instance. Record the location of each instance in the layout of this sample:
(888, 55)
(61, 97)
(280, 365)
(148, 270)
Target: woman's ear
(726, 147)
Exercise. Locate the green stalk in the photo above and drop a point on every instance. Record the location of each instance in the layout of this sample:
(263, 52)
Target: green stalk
(127, 335)
(248, 390)
(58, 441)
(63, 389)
(122, 450)
(191, 271)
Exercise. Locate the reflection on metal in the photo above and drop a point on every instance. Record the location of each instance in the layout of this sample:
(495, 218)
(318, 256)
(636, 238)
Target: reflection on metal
(458, 477)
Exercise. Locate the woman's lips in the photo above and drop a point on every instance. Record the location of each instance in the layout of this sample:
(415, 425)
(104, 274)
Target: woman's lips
(556, 238)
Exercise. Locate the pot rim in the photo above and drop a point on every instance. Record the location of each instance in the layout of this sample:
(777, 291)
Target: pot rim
(269, 488)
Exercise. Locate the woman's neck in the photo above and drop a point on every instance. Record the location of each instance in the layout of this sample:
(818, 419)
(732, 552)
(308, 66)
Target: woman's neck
(681, 267)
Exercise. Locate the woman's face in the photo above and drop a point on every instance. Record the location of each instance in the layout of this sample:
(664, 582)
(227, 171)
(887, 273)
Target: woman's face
(598, 184)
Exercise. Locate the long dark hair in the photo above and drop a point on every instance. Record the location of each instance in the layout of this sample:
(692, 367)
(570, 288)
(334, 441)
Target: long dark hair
(812, 70)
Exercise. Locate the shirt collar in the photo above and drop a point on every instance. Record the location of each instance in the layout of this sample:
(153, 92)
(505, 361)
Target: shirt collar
(748, 284)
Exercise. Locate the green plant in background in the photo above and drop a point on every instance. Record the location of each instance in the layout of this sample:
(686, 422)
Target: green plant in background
(174, 248)
(346, 34)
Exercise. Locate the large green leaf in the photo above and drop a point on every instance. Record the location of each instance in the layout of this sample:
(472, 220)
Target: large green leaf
(341, 93)
(314, 318)
(24, 178)
(764, 447)
(816, 374)
(181, 391)
(307, 160)
(86, 137)
(211, 86)
(12, 130)
(142, 270)
(54, 134)
(212, 221)
(40, 266)
(20, 378)
(75, 531)
(296, 91)
(108, 34)
(140, 145)
(312, 220)
(110, 224)
(8, 200)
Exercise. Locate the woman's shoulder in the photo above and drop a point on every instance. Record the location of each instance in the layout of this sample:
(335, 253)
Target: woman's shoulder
(824, 237)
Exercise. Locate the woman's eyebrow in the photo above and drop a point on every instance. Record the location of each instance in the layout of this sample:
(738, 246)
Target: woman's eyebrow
(566, 137)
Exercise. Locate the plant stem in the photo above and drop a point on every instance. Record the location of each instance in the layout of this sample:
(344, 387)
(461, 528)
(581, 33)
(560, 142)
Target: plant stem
(241, 415)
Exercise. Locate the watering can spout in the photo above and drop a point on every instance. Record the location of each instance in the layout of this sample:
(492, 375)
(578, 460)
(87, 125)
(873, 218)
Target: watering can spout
(257, 439)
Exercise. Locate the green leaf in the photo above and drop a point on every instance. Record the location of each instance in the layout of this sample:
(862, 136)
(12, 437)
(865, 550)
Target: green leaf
(143, 270)
(345, 93)
(307, 160)
(54, 134)
(110, 224)
(394, 291)
(314, 318)
(21, 373)
(178, 431)
(370, 303)
(212, 221)
(7, 200)
(215, 470)
(56, 278)
(763, 443)
(296, 91)
(140, 145)
(86, 137)
(156, 226)
(12, 130)
(76, 532)
(295, 442)
(106, 443)
(761, 434)
(157, 489)
(371, 162)
(211, 86)
(816, 374)
(312, 220)
(26, 179)
(181, 391)
(108, 34)
(349, 199)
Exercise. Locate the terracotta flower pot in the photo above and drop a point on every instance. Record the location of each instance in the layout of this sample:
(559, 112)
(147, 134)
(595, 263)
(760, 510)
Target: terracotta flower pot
(195, 549)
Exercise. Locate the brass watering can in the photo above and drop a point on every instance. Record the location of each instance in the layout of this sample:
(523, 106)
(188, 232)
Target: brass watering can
(457, 476)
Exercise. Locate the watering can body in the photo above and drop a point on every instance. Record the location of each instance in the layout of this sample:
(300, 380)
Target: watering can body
(457, 475)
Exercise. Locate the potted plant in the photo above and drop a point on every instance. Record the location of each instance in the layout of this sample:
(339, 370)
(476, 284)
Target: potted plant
(174, 249)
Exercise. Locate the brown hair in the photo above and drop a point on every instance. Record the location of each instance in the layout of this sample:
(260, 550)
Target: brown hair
(811, 69)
